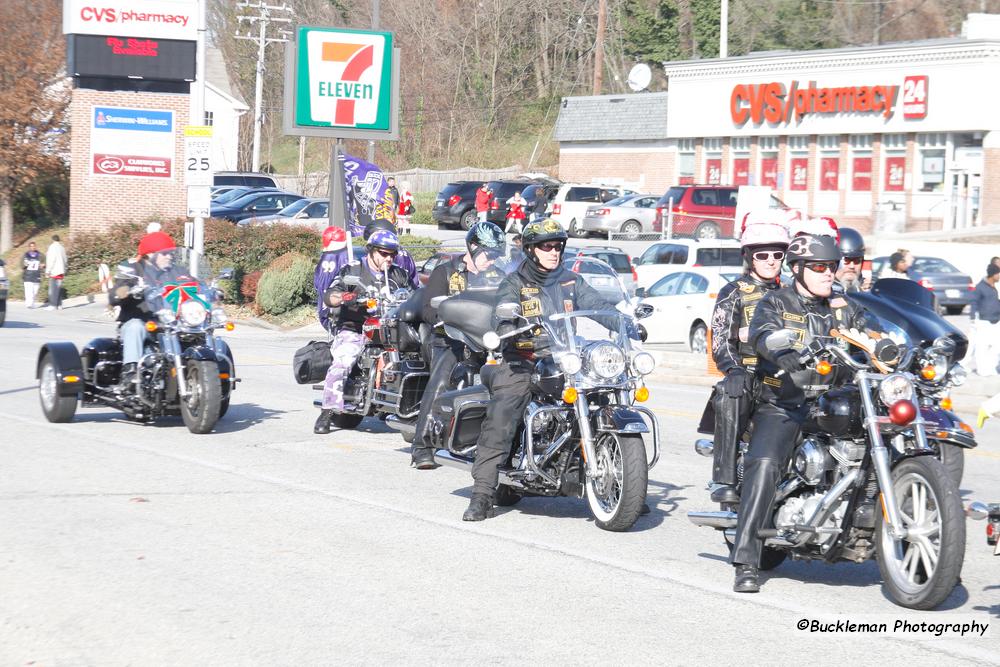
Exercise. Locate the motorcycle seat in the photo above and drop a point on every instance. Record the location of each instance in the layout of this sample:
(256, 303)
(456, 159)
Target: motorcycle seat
(410, 310)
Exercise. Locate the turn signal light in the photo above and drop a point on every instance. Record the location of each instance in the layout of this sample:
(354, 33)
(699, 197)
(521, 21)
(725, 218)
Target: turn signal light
(371, 303)
(946, 403)
(569, 395)
(151, 327)
(824, 367)
(223, 376)
(230, 326)
(71, 378)
(642, 394)
(965, 427)
(928, 372)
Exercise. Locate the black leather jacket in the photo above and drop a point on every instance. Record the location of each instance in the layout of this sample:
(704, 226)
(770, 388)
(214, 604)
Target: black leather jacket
(787, 309)
(353, 311)
(731, 318)
(563, 291)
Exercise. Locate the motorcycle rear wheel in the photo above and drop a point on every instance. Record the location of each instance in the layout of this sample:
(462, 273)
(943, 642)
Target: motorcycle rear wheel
(921, 570)
(616, 493)
(58, 409)
(200, 410)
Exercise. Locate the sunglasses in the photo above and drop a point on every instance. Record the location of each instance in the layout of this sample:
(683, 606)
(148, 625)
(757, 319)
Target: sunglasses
(764, 255)
(853, 260)
(385, 253)
(549, 247)
(821, 268)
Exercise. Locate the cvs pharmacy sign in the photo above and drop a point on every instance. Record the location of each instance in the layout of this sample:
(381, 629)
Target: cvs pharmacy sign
(165, 19)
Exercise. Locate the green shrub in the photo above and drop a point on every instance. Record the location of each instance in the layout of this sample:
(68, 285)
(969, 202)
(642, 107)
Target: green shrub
(286, 284)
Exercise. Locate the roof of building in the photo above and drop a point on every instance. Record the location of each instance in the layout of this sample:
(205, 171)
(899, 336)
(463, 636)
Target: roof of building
(638, 117)
(217, 75)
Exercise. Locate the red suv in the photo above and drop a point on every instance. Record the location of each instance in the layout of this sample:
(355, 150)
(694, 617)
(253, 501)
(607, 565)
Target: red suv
(700, 211)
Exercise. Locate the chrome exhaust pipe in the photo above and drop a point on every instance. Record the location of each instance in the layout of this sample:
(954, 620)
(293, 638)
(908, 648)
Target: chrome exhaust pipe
(404, 427)
(717, 520)
(704, 446)
(445, 458)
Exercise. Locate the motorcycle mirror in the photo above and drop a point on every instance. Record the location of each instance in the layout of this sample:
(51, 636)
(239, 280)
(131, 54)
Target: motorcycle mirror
(886, 351)
(491, 340)
(781, 339)
(977, 511)
(508, 311)
(643, 310)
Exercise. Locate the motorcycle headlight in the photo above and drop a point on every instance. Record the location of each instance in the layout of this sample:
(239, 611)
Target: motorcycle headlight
(895, 388)
(958, 375)
(192, 313)
(643, 363)
(570, 363)
(606, 360)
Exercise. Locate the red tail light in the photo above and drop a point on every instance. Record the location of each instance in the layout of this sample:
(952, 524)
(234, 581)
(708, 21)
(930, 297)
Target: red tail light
(454, 199)
(494, 204)
(972, 288)
(925, 282)
(556, 209)
(635, 276)
(602, 211)
(989, 529)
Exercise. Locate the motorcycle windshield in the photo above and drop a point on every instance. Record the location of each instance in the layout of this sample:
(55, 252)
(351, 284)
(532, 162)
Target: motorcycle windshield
(169, 287)
(906, 307)
(906, 291)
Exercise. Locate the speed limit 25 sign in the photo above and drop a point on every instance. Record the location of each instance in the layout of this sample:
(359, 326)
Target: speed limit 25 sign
(198, 168)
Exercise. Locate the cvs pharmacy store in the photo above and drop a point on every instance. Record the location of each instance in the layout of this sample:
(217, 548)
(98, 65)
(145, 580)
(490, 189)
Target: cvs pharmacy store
(902, 137)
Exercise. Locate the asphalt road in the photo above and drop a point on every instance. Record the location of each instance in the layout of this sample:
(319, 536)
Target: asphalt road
(264, 544)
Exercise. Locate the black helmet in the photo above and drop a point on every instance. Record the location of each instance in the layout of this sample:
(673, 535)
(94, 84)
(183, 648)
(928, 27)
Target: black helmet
(376, 225)
(487, 237)
(852, 244)
(542, 231)
(813, 248)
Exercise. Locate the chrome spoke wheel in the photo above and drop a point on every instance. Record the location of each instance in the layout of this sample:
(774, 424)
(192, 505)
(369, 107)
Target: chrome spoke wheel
(913, 560)
(48, 387)
(609, 479)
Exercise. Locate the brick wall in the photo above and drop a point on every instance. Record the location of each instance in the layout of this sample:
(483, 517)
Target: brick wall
(989, 202)
(654, 169)
(98, 202)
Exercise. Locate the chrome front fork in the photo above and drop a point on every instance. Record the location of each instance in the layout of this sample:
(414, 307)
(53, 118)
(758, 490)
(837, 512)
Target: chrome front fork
(586, 437)
(171, 346)
(880, 457)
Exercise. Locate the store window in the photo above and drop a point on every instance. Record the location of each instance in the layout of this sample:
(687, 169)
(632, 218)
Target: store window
(713, 160)
(768, 161)
(931, 149)
(894, 149)
(829, 162)
(798, 163)
(685, 162)
(861, 163)
(740, 148)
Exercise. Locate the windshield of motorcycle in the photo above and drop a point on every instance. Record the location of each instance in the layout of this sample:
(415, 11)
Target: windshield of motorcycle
(168, 284)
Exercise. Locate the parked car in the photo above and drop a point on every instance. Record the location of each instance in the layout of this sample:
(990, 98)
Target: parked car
(630, 215)
(664, 257)
(248, 179)
(569, 205)
(598, 275)
(952, 288)
(701, 211)
(535, 190)
(616, 258)
(312, 212)
(254, 205)
(682, 303)
(235, 192)
(434, 261)
(219, 190)
(455, 205)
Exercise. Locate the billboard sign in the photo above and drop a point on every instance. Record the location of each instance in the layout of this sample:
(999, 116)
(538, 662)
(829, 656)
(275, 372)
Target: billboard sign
(131, 58)
(132, 142)
(164, 19)
(342, 83)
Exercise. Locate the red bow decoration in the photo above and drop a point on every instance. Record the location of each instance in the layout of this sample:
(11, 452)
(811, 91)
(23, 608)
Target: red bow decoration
(174, 294)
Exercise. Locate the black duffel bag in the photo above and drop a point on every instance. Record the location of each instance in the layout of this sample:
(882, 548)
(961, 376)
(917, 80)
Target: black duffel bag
(312, 361)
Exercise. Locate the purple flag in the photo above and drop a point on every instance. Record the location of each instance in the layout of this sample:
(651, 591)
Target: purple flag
(368, 198)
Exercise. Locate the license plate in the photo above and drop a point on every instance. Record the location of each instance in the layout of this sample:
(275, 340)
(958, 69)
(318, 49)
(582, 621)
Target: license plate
(601, 281)
(439, 202)
(952, 293)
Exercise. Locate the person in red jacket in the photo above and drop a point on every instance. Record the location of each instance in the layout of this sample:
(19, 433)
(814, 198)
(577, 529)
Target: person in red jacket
(483, 197)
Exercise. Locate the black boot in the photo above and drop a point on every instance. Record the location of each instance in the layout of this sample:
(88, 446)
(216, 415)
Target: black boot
(725, 494)
(480, 508)
(322, 425)
(747, 579)
(422, 458)
(127, 377)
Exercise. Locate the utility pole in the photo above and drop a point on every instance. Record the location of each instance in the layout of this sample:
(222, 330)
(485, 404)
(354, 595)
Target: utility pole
(602, 9)
(261, 20)
(376, 10)
(724, 30)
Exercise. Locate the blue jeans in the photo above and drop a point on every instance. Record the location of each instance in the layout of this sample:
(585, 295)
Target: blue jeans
(133, 335)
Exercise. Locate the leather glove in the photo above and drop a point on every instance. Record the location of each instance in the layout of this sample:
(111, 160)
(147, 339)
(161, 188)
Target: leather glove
(789, 362)
(734, 383)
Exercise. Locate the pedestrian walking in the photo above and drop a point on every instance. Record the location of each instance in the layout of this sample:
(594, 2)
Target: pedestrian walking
(33, 264)
(984, 312)
(55, 269)
(404, 211)
(483, 197)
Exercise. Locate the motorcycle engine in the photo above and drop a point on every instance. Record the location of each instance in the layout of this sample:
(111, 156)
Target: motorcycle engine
(799, 509)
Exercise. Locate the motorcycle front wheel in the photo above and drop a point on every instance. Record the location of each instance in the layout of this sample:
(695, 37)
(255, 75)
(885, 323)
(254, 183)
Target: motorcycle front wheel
(200, 410)
(921, 570)
(616, 493)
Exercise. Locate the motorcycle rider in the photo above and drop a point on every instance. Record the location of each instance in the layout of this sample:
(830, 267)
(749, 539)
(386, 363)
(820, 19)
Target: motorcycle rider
(810, 308)
(348, 340)
(764, 240)
(484, 244)
(154, 264)
(403, 260)
(849, 278)
(333, 259)
(540, 286)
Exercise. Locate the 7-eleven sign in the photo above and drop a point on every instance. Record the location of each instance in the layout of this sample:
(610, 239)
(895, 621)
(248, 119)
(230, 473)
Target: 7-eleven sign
(343, 78)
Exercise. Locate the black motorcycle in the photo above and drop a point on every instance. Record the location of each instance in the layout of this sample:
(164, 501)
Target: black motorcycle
(907, 309)
(185, 369)
(581, 432)
(863, 481)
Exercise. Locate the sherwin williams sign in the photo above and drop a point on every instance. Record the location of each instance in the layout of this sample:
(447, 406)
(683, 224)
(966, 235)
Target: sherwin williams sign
(132, 142)
(343, 79)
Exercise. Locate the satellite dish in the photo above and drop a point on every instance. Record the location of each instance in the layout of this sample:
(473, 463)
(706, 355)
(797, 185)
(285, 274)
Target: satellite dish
(639, 77)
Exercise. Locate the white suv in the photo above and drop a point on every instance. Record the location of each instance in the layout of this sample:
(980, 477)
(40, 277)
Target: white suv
(665, 257)
(569, 206)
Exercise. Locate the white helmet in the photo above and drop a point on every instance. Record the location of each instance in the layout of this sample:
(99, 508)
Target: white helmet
(768, 227)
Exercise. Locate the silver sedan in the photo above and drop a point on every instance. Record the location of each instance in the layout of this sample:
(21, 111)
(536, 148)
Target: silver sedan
(630, 215)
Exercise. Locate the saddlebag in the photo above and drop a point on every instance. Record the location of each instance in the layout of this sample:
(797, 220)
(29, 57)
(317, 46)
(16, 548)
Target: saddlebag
(312, 361)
